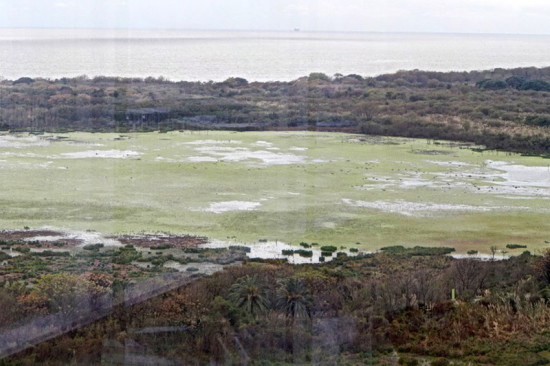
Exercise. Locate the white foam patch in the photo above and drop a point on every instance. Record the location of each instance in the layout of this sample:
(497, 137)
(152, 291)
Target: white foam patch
(449, 163)
(521, 175)
(296, 148)
(506, 180)
(106, 154)
(202, 159)
(220, 207)
(87, 237)
(213, 142)
(45, 238)
(262, 143)
(480, 256)
(18, 142)
(408, 208)
(239, 154)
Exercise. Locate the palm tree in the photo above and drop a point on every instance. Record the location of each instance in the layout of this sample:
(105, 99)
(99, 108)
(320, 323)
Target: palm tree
(293, 298)
(248, 293)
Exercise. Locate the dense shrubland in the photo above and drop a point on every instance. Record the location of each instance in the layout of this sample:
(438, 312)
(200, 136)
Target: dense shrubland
(381, 308)
(505, 109)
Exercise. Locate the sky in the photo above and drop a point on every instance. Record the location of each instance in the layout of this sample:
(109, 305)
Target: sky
(445, 16)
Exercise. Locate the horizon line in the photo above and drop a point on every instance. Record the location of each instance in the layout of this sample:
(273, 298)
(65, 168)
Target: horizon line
(291, 30)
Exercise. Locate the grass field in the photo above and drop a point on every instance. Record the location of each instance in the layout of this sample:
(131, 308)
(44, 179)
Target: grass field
(349, 190)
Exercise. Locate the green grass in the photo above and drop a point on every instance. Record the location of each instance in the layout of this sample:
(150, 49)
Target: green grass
(299, 202)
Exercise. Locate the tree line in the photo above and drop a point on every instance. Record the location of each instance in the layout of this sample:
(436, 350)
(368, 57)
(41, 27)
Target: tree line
(500, 108)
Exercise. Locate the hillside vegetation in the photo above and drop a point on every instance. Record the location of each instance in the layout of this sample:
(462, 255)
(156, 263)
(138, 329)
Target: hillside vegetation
(502, 109)
(376, 309)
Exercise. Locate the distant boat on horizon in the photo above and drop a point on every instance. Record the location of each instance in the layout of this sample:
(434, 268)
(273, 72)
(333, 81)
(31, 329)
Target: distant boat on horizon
(296, 29)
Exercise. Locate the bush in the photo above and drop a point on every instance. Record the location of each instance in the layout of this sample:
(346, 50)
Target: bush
(491, 84)
(515, 82)
(304, 253)
(440, 362)
(353, 250)
(240, 248)
(192, 269)
(326, 254)
(329, 248)
(542, 121)
(407, 361)
(515, 246)
(318, 76)
(93, 246)
(417, 251)
(538, 85)
(161, 247)
(50, 253)
(472, 252)
(191, 250)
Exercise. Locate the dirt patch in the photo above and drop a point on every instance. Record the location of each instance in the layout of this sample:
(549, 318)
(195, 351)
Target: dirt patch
(46, 238)
(147, 241)
(25, 234)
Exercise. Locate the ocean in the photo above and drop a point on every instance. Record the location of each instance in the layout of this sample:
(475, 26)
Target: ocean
(259, 56)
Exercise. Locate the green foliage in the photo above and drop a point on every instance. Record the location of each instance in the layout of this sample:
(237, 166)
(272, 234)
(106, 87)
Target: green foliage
(4, 256)
(94, 247)
(293, 298)
(23, 80)
(304, 253)
(241, 248)
(491, 84)
(191, 250)
(126, 255)
(515, 81)
(472, 252)
(300, 252)
(538, 85)
(51, 253)
(417, 250)
(329, 248)
(543, 121)
(161, 247)
(318, 76)
(407, 361)
(515, 246)
(66, 292)
(249, 294)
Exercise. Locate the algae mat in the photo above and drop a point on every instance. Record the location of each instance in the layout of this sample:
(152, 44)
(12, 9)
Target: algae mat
(330, 188)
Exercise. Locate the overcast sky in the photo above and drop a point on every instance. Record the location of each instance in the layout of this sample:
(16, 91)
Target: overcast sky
(461, 16)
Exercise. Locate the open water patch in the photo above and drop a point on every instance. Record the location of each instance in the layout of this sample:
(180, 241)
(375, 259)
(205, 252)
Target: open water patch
(408, 208)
